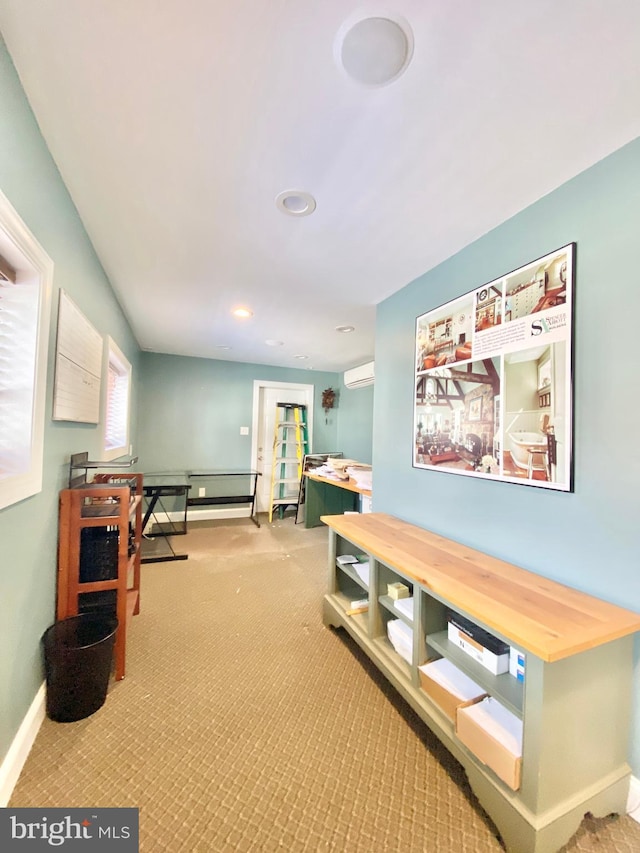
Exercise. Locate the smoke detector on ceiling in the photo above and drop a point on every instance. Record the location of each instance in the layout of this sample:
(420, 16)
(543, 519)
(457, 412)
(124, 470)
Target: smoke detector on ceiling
(374, 51)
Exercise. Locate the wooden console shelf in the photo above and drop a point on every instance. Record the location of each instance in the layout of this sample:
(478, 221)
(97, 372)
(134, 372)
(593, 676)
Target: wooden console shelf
(106, 563)
(575, 701)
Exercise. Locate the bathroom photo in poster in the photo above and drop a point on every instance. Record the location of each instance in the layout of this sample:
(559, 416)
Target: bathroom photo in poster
(493, 378)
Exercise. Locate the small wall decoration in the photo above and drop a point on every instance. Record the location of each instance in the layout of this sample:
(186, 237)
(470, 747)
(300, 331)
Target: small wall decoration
(486, 364)
(328, 399)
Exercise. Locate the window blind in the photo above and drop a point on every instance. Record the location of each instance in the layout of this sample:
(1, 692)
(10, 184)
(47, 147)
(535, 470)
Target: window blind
(117, 417)
(18, 352)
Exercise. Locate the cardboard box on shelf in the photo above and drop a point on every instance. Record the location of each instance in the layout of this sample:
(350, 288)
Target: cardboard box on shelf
(398, 590)
(448, 686)
(494, 735)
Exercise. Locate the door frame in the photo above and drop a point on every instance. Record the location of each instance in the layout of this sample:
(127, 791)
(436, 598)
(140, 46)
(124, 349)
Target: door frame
(262, 384)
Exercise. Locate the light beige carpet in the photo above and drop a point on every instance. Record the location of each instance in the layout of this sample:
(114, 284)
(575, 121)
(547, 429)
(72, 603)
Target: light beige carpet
(245, 725)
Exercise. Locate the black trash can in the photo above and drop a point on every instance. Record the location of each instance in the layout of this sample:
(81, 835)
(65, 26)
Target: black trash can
(78, 652)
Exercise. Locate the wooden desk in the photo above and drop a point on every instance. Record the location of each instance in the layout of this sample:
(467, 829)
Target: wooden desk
(324, 496)
(576, 697)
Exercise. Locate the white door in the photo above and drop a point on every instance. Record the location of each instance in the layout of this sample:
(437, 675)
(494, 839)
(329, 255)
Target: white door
(265, 402)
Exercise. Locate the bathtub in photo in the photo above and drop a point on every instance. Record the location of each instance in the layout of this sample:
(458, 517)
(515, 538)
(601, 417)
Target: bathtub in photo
(521, 441)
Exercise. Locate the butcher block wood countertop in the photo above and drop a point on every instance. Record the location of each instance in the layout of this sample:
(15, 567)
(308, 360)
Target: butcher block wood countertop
(541, 616)
(350, 485)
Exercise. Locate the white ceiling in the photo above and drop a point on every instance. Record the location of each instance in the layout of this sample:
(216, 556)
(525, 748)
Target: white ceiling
(176, 123)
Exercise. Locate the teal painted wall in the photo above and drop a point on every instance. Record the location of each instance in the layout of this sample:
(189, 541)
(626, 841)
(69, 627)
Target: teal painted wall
(29, 529)
(191, 411)
(355, 422)
(587, 539)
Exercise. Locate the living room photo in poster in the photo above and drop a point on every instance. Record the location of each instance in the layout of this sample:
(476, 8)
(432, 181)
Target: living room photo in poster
(493, 378)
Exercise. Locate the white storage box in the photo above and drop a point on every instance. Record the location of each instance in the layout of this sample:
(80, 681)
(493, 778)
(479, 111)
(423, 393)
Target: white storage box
(495, 663)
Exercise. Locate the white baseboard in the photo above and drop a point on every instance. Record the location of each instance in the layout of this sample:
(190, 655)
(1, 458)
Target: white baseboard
(210, 514)
(220, 512)
(633, 803)
(19, 750)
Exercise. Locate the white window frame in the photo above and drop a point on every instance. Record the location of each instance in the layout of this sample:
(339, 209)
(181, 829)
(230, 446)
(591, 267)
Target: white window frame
(34, 270)
(116, 361)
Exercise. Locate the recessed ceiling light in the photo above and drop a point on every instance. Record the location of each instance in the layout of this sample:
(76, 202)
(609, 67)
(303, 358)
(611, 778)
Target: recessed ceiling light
(222, 346)
(345, 329)
(296, 203)
(242, 312)
(272, 343)
(301, 356)
(374, 51)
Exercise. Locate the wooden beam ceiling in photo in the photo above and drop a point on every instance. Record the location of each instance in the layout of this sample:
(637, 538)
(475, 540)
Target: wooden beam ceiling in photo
(448, 388)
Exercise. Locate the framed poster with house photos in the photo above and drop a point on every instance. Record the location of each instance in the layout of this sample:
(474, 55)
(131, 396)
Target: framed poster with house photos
(493, 378)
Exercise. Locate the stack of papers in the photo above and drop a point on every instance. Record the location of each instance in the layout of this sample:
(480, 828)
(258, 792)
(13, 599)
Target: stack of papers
(362, 570)
(452, 679)
(499, 722)
(345, 559)
(339, 465)
(324, 471)
(363, 476)
(405, 606)
(401, 638)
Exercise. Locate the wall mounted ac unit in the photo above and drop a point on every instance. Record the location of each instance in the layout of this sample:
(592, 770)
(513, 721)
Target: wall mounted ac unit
(358, 377)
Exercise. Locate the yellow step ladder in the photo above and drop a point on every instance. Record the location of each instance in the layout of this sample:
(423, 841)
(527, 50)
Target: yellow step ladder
(290, 445)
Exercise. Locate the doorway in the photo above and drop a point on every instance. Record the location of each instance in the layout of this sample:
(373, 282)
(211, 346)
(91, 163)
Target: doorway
(266, 396)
